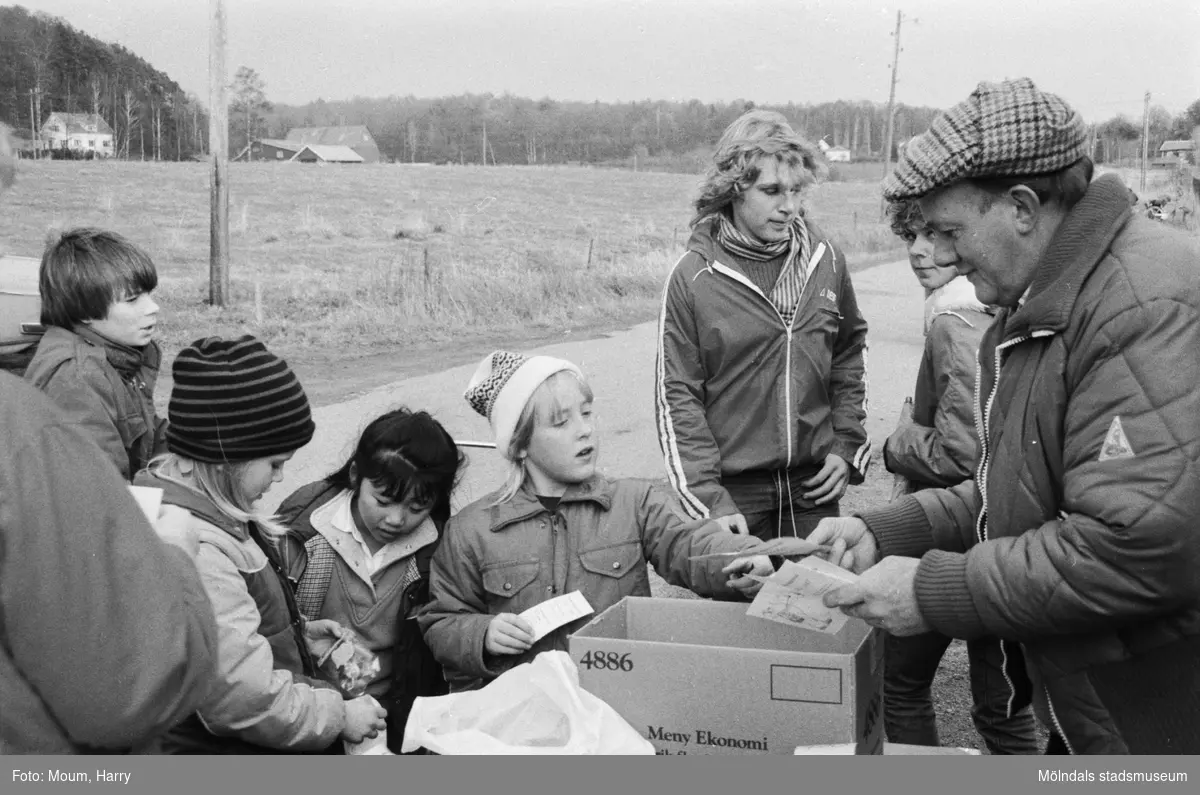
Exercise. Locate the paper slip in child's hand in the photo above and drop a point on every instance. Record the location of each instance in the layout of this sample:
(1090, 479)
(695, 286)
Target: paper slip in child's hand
(553, 613)
(785, 547)
(793, 595)
(148, 499)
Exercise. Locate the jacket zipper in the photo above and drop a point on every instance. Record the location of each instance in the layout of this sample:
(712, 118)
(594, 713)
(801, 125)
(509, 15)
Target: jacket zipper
(787, 391)
(554, 553)
(816, 256)
(982, 429)
(1054, 719)
(984, 411)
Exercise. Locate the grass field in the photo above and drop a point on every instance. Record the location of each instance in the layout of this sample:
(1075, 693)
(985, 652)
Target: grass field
(361, 258)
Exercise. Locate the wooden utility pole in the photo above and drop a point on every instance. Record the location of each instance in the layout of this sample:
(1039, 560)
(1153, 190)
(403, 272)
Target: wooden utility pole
(891, 113)
(218, 146)
(33, 127)
(1145, 140)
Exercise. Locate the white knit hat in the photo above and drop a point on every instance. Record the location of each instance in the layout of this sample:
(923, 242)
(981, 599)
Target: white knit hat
(503, 384)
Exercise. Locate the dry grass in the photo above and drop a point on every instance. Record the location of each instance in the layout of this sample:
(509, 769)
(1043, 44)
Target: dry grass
(361, 257)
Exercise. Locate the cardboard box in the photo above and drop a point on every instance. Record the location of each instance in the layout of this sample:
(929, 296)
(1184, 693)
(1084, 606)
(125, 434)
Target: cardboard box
(702, 677)
(889, 749)
(900, 749)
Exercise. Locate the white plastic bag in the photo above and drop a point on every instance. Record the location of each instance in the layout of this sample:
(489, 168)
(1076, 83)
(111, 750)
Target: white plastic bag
(533, 708)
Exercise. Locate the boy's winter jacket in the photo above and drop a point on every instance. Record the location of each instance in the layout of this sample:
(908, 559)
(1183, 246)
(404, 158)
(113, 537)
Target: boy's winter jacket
(105, 388)
(939, 447)
(509, 557)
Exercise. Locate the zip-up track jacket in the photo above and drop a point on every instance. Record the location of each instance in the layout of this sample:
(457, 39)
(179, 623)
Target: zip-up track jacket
(736, 389)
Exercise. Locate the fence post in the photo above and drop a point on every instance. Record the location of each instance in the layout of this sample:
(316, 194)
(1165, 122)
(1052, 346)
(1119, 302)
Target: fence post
(591, 244)
(428, 282)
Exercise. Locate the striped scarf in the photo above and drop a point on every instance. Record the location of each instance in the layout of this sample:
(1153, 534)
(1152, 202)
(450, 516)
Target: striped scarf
(785, 295)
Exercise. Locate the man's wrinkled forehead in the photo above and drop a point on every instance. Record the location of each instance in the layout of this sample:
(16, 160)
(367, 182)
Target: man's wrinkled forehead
(956, 203)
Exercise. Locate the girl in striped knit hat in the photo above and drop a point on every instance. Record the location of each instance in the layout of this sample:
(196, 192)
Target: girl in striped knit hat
(237, 415)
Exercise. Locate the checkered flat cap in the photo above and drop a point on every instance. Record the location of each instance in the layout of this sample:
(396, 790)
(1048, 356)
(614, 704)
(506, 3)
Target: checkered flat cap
(1009, 129)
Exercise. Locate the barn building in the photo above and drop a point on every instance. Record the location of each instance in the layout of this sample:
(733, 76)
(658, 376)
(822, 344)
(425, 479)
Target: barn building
(317, 153)
(357, 137)
(268, 149)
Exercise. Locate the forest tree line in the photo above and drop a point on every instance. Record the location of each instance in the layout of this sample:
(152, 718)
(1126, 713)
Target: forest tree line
(46, 65)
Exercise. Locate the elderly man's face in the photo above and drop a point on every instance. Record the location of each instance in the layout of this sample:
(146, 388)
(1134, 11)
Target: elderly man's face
(981, 244)
(767, 208)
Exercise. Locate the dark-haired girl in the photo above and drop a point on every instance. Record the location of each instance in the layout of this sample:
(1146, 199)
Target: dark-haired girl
(359, 544)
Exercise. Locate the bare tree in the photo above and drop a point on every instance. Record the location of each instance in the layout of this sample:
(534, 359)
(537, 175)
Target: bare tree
(249, 103)
(95, 85)
(129, 111)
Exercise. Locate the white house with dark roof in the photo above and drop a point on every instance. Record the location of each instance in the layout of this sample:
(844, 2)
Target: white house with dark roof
(80, 132)
(1178, 150)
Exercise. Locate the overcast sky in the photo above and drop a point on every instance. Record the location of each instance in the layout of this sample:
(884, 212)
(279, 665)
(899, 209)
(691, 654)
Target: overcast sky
(1101, 55)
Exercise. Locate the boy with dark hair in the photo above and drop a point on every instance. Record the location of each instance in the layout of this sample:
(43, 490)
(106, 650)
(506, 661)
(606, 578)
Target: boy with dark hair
(98, 359)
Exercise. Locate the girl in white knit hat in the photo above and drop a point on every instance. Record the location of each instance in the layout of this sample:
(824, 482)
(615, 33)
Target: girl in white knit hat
(557, 526)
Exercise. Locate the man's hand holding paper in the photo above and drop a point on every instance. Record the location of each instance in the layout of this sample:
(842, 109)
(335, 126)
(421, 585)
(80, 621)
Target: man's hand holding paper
(850, 543)
(884, 596)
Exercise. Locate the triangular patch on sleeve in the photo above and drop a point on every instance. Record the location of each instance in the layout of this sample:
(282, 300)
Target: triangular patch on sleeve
(1116, 445)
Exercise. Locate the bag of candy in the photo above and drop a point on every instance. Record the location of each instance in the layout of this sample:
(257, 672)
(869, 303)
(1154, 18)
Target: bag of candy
(349, 665)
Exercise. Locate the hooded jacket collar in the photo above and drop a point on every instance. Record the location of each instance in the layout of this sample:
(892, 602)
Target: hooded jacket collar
(192, 501)
(126, 360)
(954, 296)
(525, 504)
(1079, 244)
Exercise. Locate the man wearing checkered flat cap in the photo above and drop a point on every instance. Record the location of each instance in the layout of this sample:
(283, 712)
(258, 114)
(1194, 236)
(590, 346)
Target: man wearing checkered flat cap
(1078, 542)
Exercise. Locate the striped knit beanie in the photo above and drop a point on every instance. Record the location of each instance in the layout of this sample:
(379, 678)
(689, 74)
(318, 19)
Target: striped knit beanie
(234, 400)
(1009, 129)
(503, 384)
